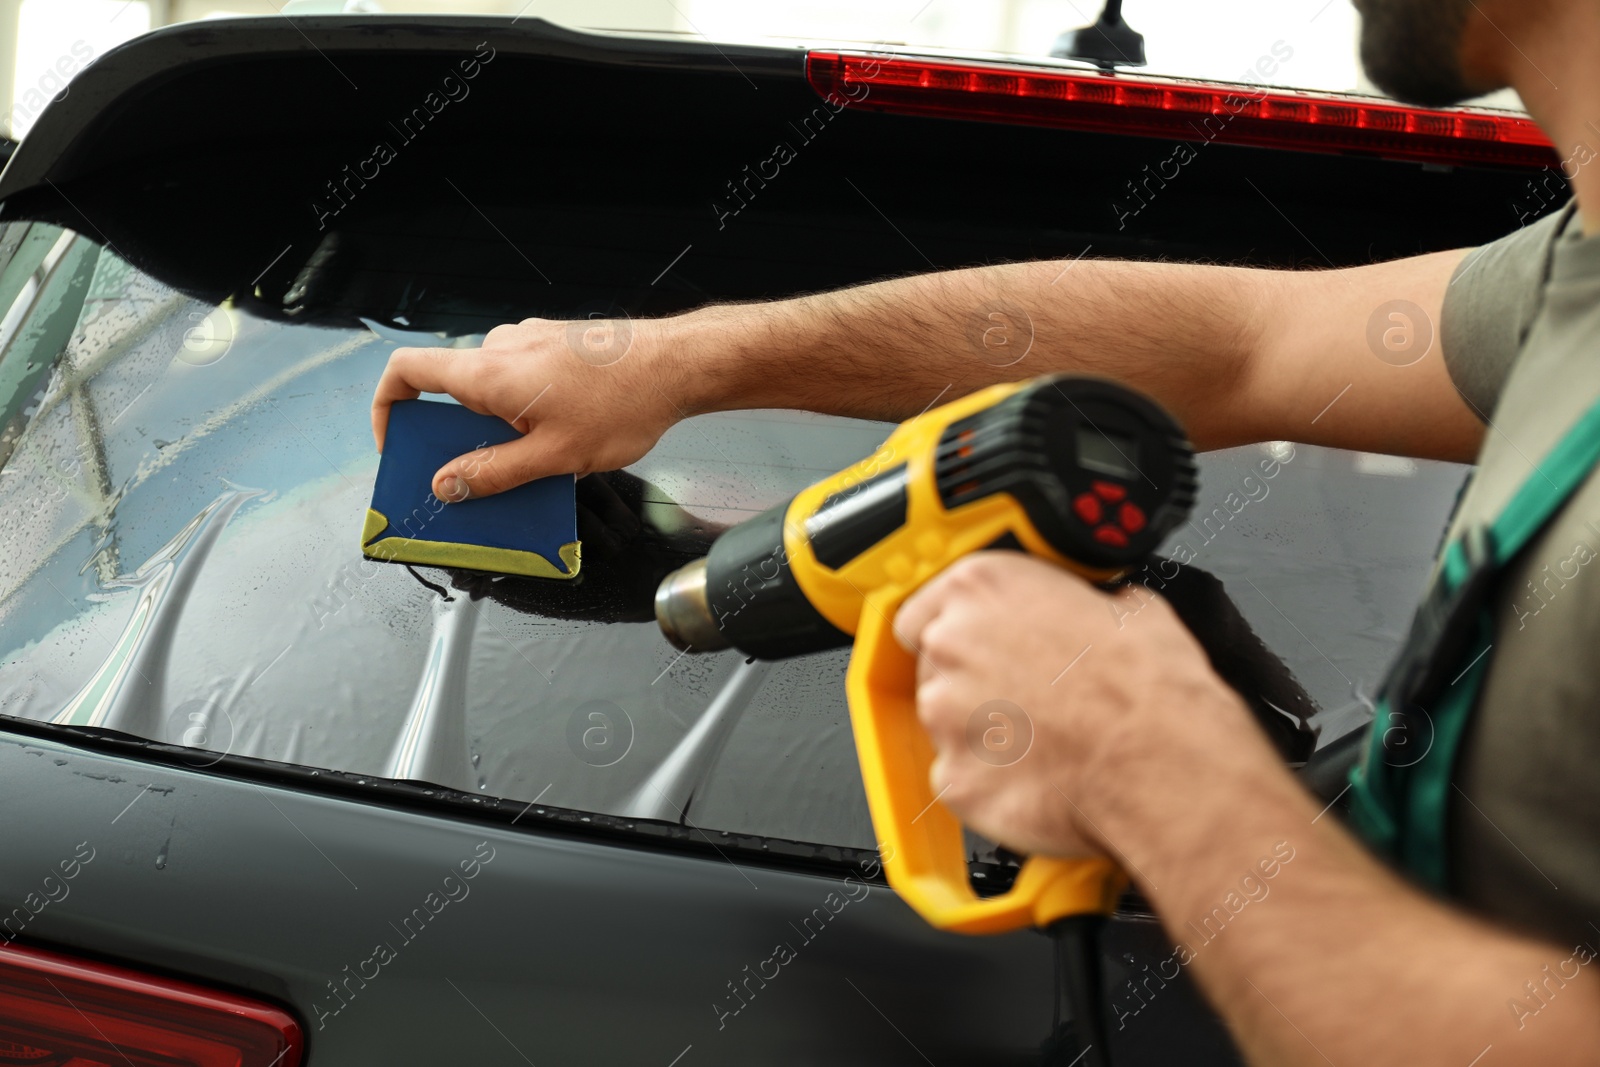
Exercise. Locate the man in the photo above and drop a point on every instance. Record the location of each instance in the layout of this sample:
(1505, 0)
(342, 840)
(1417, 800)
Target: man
(1140, 750)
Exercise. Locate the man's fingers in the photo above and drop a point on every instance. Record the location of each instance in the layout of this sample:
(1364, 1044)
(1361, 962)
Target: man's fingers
(921, 608)
(497, 468)
(939, 777)
(467, 375)
(961, 580)
(412, 371)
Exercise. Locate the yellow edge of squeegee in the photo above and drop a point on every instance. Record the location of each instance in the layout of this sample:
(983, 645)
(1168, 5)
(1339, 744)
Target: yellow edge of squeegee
(471, 557)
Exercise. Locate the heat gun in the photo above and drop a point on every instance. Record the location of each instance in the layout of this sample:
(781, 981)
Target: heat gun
(1083, 472)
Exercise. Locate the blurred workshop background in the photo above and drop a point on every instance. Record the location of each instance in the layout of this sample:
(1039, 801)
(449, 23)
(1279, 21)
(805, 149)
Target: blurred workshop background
(44, 43)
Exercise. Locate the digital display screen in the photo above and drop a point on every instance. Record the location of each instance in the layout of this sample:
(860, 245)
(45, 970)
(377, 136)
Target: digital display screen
(1107, 453)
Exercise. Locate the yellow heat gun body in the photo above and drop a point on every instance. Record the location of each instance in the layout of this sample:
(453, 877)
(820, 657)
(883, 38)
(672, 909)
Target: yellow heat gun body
(1082, 472)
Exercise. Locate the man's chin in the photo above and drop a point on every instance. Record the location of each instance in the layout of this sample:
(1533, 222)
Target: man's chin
(1418, 84)
(1411, 49)
(1419, 93)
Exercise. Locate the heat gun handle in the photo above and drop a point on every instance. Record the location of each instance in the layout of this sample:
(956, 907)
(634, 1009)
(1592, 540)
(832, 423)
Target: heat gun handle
(920, 840)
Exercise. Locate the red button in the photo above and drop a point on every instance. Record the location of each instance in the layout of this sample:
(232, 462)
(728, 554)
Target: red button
(1087, 507)
(1132, 517)
(1109, 490)
(1110, 535)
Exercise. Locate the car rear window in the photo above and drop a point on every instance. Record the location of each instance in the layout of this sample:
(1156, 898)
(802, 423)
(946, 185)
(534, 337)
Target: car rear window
(182, 488)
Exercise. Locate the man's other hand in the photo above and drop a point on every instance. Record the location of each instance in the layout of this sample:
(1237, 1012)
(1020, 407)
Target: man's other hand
(1046, 698)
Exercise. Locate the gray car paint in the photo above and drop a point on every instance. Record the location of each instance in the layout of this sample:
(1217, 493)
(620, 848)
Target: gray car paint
(558, 951)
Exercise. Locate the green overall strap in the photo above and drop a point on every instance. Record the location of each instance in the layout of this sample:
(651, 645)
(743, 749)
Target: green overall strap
(1400, 792)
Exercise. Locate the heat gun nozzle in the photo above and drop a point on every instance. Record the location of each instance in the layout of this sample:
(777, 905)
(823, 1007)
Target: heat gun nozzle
(684, 612)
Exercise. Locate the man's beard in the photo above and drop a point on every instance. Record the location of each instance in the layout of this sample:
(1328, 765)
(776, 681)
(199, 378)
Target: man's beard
(1411, 49)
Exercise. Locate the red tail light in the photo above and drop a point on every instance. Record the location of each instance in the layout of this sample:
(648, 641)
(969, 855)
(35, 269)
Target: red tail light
(61, 1012)
(1179, 110)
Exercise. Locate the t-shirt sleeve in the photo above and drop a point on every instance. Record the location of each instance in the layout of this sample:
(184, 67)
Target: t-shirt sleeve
(1490, 305)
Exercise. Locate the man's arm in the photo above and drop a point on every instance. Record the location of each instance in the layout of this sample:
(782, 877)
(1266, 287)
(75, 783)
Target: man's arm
(1312, 951)
(1237, 354)
(1340, 960)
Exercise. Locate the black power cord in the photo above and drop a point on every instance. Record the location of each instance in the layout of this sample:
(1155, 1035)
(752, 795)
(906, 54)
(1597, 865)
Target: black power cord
(1080, 991)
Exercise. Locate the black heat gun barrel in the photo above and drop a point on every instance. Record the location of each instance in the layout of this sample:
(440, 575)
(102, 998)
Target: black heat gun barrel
(1095, 473)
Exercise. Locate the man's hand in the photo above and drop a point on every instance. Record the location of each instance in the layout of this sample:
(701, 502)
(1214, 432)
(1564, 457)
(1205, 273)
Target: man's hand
(1073, 686)
(587, 395)
(1139, 750)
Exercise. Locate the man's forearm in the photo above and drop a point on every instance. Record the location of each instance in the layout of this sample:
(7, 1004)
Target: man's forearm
(889, 349)
(1237, 354)
(1314, 953)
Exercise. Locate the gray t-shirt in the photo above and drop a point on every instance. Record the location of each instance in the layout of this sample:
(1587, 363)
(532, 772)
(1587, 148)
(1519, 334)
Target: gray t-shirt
(1521, 338)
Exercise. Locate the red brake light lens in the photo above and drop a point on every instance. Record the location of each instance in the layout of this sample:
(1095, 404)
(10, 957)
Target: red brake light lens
(1179, 110)
(56, 1011)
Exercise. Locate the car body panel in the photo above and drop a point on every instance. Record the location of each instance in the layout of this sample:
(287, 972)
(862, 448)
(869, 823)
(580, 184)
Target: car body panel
(560, 949)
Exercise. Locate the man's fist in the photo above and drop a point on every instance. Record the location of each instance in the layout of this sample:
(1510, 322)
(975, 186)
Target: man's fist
(1041, 693)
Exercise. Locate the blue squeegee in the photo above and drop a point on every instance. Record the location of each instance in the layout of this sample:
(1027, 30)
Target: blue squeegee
(531, 530)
